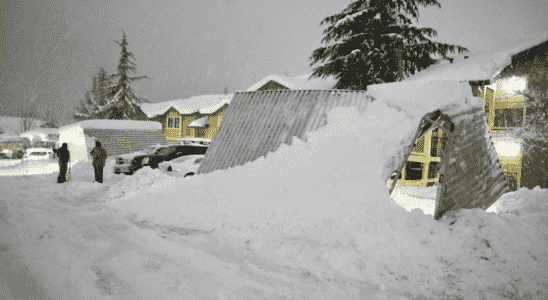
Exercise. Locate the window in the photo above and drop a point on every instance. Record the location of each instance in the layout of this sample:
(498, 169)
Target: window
(413, 170)
(173, 122)
(188, 131)
(435, 145)
(487, 108)
(200, 132)
(508, 117)
(512, 180)
(419, 145)
(433, 169)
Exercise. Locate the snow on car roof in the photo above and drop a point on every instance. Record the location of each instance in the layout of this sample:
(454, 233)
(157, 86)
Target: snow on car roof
(117, 124)
(204, 104)
(297, 83)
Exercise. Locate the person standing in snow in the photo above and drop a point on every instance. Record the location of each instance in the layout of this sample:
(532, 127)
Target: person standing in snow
(99, 158)
(64, 157)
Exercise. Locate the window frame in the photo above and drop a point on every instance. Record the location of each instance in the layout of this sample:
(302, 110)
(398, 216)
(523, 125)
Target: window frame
(172, 121)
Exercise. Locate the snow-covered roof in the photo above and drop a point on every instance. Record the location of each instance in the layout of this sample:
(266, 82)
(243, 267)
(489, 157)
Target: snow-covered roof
(41, 131)
(478, 65)
(201, 122)
(297, 83)
(117, 124)
(443, 84)
(9, 137)
(204, 104)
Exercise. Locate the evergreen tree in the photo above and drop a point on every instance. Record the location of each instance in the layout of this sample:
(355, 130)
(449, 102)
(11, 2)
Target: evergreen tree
(372, 41)
(102, 90)
(122, 104)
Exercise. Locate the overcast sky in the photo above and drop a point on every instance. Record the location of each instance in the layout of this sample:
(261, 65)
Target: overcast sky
(51, 49)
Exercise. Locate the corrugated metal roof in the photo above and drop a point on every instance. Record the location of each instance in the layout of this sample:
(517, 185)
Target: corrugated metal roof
(474, 177)
(257, 123)
(301, 82)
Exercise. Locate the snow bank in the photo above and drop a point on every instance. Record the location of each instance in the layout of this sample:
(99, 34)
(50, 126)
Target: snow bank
(204, 104)
(139, 182)
(323, 206)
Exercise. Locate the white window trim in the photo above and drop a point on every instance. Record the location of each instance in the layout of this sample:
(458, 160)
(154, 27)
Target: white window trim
(176, 120)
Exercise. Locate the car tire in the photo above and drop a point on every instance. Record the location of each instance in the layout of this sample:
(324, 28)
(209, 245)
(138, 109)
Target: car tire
(189, 174)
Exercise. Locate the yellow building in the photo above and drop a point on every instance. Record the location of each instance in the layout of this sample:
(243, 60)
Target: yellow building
(422, 166)
(198, 116)
(505, 109)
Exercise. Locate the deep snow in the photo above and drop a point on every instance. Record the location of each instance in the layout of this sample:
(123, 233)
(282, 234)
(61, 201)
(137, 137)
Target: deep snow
(310, 221)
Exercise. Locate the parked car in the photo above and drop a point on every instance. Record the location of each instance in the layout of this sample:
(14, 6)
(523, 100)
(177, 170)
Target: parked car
(38, 154)
(186, 165)
(153, 156)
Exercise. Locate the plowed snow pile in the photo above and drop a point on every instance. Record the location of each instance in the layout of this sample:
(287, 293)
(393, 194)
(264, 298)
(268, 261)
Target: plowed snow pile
(323, 205)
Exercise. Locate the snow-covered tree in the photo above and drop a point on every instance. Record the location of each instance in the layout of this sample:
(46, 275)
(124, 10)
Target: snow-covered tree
(108, 100)
(102, 90)
(122, 104)
(373, 41)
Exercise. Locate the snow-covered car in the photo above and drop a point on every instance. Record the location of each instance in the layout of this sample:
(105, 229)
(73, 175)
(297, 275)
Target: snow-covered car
(38, 154)
(186, 165)
(161, 154)
(194, 141)
(123, 162)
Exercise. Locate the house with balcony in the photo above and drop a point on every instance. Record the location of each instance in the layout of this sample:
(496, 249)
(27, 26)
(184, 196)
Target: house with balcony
(198, 116)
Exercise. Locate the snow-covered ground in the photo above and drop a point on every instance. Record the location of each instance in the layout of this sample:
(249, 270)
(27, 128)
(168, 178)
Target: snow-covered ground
(311, 221)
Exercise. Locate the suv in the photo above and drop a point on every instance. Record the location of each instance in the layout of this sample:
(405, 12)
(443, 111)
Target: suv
(153, 156)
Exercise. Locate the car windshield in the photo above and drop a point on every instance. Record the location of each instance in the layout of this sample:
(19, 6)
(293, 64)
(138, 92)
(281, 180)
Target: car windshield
(163, 151)
(150, 149)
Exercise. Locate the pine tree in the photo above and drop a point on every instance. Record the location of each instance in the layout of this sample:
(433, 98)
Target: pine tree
(372, 41)
(122, 104)
(102, 90)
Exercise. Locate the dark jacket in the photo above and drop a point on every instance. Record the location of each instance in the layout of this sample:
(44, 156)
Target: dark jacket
(99, 155)
(63, 154)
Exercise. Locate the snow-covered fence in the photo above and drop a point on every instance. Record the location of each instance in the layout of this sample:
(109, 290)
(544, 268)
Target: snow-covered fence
(116, 136)
(257, 123)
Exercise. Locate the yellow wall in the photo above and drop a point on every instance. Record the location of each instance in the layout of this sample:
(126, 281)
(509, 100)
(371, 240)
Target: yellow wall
(422, 156)
(172, 134)
(504, 96)
(213, 120)
(501, 95)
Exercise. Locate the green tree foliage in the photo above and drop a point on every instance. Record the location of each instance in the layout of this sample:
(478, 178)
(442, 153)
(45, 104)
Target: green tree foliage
(373, 41)
(535, 97)
(102, 90)
(112, 95)
(122, 105)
